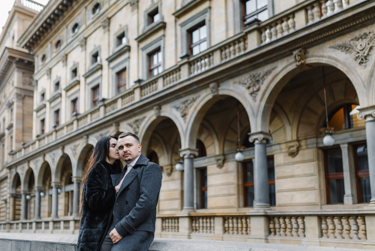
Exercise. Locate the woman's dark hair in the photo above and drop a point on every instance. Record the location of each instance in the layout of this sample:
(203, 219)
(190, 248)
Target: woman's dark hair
(99, 154)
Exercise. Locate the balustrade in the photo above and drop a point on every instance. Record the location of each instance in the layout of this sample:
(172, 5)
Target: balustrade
(111, 106)
(127, 98)
(171, 77)
(149, 88)
(170, 225)
(203, 225)
(344, 227)
(287, 226)
(201, 63)
(233, 48)
(237, 225)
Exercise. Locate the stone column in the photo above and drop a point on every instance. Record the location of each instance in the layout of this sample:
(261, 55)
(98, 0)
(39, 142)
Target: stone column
(350, 196)
(55, 199)
(369, 114)
(188, 155)
(77, 184)
(23, 204)
(261, 193)
(12, 201)
(38, 189)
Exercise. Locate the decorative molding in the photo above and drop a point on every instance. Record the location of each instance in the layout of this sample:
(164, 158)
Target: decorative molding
(82, 43)
(105, 24)
(254, 81)
(136, 124)
(74, 149)
(157, 109)
(188, 153)
(361, 46)
(168, 169)
(133, 4)
(260, 137)
(64, 59)
(184, 106)
(293, 149)
(220, 159)
(27, 79)
(366, 112)
(48, 73)
(214, 88)
(300, 57)
(20, 96)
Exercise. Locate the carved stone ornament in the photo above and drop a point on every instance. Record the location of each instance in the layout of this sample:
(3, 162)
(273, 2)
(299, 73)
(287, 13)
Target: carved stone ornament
(366, 112)
(299, 57)
(53, 158)
(157, 109)
(20, 96)
(105, 24)
(168, 169)
(254, 81)
(184, 106)
(64, 59)
(293, 149)
(74, 149)
(136, 124)
(82, 43)
(214, 88)
(360, 46)
(133, 4)
(48, 73)
(260, 137)
(219, 161)
(27, 80)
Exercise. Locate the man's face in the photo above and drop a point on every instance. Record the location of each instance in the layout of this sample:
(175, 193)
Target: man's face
(129, 148)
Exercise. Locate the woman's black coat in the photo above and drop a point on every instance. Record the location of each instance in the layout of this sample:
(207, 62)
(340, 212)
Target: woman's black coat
(98, 200)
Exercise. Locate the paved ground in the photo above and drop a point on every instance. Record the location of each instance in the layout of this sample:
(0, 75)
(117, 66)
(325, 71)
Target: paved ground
(56, 242)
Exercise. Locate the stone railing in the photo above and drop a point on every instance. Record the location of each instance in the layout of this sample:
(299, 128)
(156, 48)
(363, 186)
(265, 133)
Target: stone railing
(64, 226)
(203, 225)
(298, 17)
(237, 225)
(32, 5)
(170, 225)
(292, 226)
(344, 227)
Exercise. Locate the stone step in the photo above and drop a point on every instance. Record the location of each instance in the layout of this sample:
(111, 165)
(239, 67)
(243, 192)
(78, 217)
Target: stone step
(57, 242)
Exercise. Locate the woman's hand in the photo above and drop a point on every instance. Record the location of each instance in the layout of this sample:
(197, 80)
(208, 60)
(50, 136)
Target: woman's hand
(115, 237)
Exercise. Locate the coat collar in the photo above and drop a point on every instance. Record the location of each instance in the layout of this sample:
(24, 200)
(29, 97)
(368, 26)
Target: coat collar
(142, 161)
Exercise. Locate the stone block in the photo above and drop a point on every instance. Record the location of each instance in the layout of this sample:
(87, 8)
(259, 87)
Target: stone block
(305, 169)
(42, 246)
(306, 155)
(297, 198)
(222, 202)
(21, 245)
(297, 184)
(6, 244)
(221, 179)
(222, 190)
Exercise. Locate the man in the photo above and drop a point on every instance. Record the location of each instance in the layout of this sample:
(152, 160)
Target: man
(137, 187)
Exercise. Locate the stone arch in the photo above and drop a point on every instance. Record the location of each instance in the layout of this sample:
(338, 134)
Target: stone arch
(280, 126)
(16, 182)
(290, 70)
(45, 170)
(62, 164)
(203, 104)
(82, 160)
(209, 137)
(29, 174)
(370, 87)
(157, 144)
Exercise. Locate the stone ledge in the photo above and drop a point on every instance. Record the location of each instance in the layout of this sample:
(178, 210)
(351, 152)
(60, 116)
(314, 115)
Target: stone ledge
(44, 242)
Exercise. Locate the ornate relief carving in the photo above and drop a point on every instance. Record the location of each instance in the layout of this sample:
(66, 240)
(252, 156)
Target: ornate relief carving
(105, 24)
(254, 81)
(64, 59)
(299, 57)
(168, 169)
(360, 46)
(293, 149)
(184, 106)
(219, 161)
(261, 137)
(136, 124)
(48, 73)
(27, 79)
(133, 4)
(82, 43)
(214, 88)
(157, 109)
(74, 149)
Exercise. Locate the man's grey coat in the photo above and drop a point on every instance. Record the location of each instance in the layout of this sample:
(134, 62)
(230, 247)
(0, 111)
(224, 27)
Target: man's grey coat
(135, 205)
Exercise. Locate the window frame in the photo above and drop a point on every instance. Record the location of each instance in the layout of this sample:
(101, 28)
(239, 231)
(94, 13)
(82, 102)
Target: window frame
(147, 50)
(118, 86)
(95, 9)
(74, 104)
(332, 176)
(151, 14)
(56, 114)
(152, 67)
(42, 126)
(95, 101)
(202, 188)
(190, 38)
(359, 174)
(75, 28)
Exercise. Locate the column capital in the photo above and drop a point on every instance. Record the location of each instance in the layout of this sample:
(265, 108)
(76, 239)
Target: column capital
(38, 188)
(55, 184)
(77, 179)
(24, 191)
(367, 113)
(260, 137)
(188, 153)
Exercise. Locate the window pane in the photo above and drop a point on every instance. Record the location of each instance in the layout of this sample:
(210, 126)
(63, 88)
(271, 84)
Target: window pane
(155, 72)
(337, 121)
(263, 15)
(362, 158)
(156, 18)
(196, 50)
(251, 6)
(334, 161)
(336, 191)
(195, 36)
(203, 46)
(364, 186)
(271, 169)
(160, 69)
(249, 172)
(155, 59)
(250, 196)
(159, 57)
(203, 32)
(354, 121)
(262, 3)
(272, 194)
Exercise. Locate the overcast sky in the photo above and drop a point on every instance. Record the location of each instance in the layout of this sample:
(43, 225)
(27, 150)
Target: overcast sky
(6, 6)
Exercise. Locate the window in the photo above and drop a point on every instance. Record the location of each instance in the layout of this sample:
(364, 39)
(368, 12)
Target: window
(11, 114)
(74, 105)
(155, 61)
(362, 174)
(11, 142)
(201, 149)
(95, 96)
(42, 126)
(121, 39)
(42, 97)
(57, 86)
(153, 16)
(334, 176)
(43, 58)
(254, 9)
(95, 58)
(58, 44)
(74, 73)
(96, 9)
(121, 81)
(153, 157)
(2, 153)
(248, 183)
(75, 28)
(198, 39)
(202, 173)
(57, 117)
(341, 119)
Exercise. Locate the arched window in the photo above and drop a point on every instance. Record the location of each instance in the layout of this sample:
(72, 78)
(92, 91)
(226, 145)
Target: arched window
(58, 44)
(96, 9)
(201, 149)
(153, 157)
(75, 28)
(341, 119)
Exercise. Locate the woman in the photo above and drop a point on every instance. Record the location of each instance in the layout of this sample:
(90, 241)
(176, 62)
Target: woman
(98, 194)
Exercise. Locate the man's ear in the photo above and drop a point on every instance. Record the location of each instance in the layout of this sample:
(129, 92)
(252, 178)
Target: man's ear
(139, 147)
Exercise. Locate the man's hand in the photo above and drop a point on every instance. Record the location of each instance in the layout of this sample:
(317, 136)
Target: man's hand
(115, 237)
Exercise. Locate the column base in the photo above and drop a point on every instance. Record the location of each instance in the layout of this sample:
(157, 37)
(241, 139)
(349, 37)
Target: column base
(370, 206)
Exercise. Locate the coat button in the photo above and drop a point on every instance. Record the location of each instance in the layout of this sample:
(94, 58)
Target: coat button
(126, 202)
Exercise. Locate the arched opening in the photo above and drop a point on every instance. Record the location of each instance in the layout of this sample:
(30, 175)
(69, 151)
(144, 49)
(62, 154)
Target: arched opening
(65, 197)
(16, 198)
(30, 196)
(45, 180)
(298, 116)
(161, 144)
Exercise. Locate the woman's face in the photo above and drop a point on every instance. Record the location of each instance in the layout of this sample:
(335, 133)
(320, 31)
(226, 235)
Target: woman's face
(113, 150)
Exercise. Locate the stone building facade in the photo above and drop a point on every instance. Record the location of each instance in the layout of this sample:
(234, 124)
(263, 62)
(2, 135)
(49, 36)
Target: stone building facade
(200, 81)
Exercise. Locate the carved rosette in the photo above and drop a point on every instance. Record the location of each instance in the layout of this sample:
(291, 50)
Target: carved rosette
(300, 57)
(254, 81)
(359, 46)
(136, 124)
(184, 107)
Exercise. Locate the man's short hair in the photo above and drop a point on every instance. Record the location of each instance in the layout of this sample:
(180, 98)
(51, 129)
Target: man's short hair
(125, 134)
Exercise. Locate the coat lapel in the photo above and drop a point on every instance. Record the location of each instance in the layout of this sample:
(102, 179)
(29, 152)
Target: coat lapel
(128, 179)
(116, 178)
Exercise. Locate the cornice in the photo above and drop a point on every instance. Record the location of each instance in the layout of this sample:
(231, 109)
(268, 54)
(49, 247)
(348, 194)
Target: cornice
(40, 107)
(188, 6)
(151, 30)
(54, 97)
(118, 52)
(93, 69)
(72, 83)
